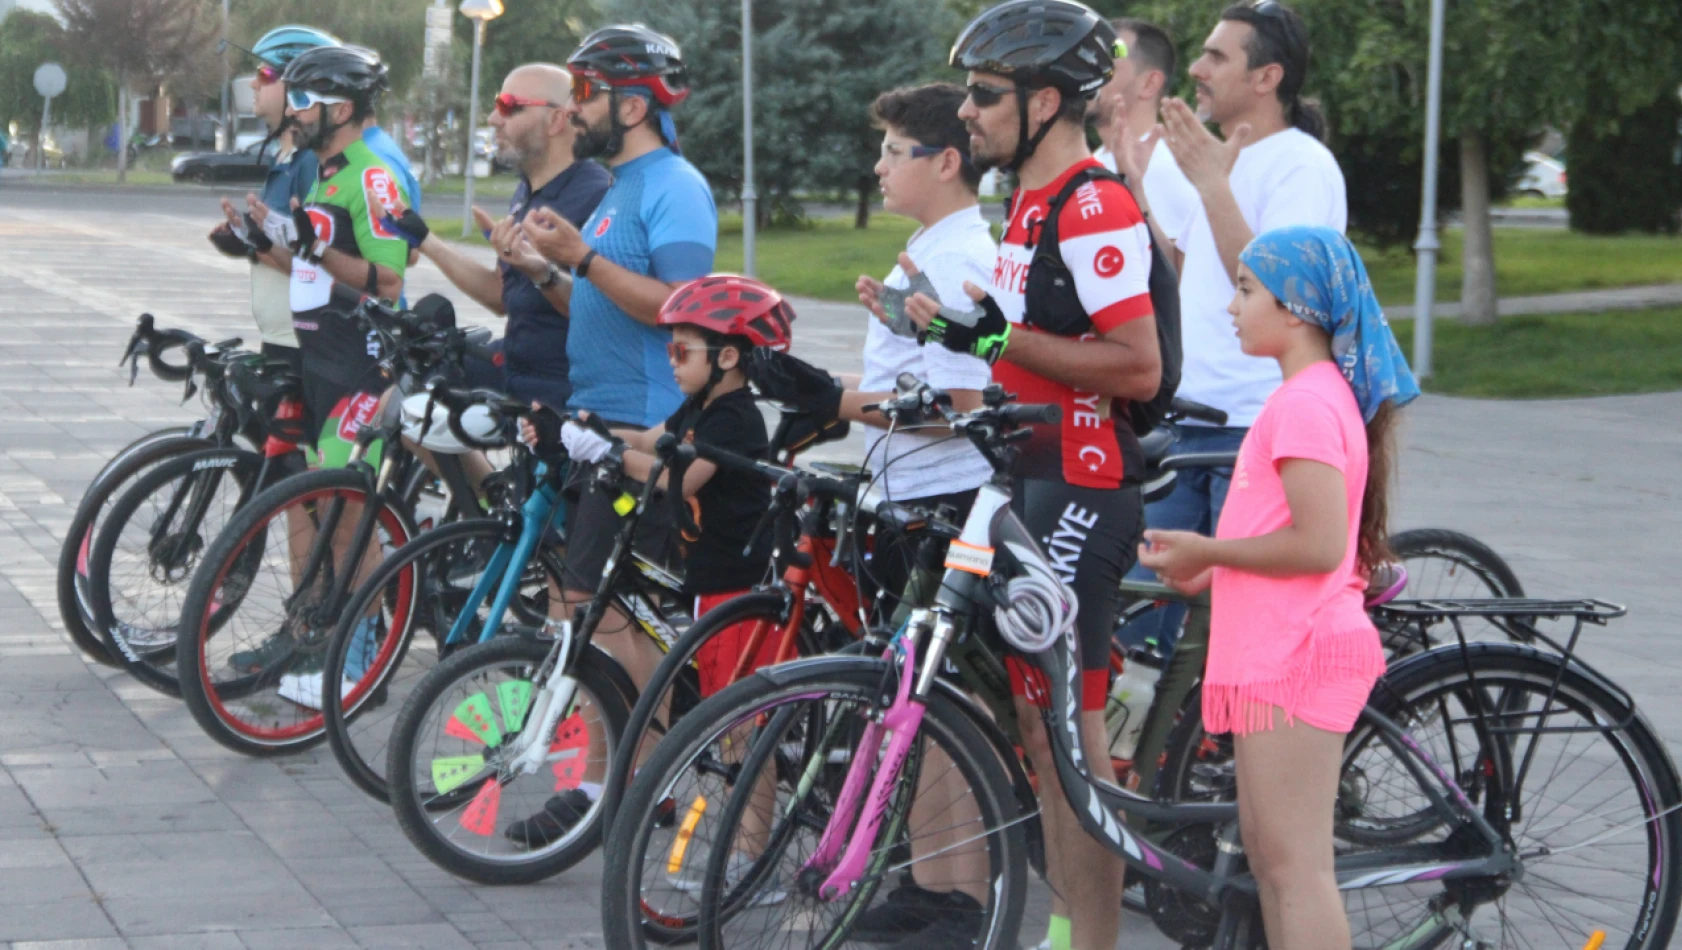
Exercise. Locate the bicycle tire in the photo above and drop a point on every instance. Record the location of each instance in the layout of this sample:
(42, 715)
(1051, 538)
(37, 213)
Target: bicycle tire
(675, 677)
(408, 789)
(250, 713)
(1411, 695)
(391, 675)
(1462, 550)
(155, 667)
(71, 577)
(624, 917)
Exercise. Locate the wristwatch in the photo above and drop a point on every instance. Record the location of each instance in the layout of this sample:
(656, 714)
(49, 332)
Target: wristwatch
(553, 277)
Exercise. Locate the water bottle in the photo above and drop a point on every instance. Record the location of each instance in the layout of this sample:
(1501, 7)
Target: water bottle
(1132, 694)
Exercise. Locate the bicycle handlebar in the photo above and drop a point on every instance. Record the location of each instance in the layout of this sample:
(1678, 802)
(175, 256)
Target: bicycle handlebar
(1190, 409)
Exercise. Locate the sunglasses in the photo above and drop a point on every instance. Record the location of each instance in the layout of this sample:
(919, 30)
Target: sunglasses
(987, 96)
(679, 352)
(301, 99)
(584, 88)
(268, 75)
(508, 104)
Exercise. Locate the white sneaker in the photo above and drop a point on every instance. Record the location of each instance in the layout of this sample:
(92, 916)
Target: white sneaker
(740, 864)
(305, 689)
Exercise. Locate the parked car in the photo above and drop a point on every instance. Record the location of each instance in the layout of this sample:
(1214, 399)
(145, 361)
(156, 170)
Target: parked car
(242, 165)
(1544, 176)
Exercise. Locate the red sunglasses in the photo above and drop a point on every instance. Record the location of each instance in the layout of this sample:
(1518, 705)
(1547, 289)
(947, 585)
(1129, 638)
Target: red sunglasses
(679, 352)
(268, 75)
(508, 104)
(584, 88)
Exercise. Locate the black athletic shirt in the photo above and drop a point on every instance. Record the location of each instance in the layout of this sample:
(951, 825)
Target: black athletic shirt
(729, 505)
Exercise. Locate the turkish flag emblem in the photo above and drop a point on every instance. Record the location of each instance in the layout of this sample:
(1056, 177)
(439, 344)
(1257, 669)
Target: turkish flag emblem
(1108, 261)
(602, 227)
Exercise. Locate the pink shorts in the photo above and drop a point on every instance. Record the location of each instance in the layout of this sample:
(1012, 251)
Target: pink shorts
(1332, 703)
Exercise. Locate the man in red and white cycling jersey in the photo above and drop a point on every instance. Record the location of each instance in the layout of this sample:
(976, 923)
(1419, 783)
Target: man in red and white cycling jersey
(1081, 335)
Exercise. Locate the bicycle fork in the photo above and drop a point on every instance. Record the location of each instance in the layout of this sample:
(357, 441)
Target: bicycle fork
(901, 720)
(531, 747)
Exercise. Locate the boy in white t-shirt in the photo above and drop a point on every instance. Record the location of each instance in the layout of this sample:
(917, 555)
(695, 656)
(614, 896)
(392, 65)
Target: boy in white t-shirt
(926, 175)
(1271, 171)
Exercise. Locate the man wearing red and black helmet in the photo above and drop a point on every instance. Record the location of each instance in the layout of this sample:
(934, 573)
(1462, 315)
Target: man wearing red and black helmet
(1068, 317)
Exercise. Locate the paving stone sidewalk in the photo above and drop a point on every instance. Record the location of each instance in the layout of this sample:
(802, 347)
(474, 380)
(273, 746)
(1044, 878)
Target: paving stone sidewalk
(122, 825)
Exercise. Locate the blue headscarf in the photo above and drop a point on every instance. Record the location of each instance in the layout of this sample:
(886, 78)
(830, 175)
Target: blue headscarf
(1316, 273)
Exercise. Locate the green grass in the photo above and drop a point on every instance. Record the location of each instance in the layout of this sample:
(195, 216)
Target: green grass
(823, 259)
(1534, 201)
(496, 187)
(96, 176)
(1556, 356)
(1529, 261)
(450, 229)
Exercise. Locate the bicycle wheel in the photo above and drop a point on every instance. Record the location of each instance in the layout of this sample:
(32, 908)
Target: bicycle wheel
(259, 611)
(756, 770)
(675, 687)
(1589, 817)
(378, 673)
(1447, 565)
(148, 547)
(454, 785)
(72, 573)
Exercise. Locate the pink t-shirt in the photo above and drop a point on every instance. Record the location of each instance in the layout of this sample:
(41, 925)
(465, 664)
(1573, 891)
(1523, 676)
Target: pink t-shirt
(1276, 637)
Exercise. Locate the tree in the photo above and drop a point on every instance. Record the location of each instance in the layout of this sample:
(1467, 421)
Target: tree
(818, 64)
(395, 28)
(28, 39)
(138, 41)
(1628, 176)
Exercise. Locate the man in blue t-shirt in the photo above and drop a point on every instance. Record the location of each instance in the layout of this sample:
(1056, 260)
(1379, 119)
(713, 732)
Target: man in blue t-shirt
(655, 228)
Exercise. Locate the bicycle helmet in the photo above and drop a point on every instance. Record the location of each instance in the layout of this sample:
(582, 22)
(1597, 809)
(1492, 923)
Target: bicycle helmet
(1039, 43)
(477, 420)
(283, 44)
(730, 305)
(634, 56)
(353, 73)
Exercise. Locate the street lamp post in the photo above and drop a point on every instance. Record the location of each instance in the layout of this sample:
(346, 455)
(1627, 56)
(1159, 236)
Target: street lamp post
(480, 12)
(1425, 285)
(227, 117)
(750, 198)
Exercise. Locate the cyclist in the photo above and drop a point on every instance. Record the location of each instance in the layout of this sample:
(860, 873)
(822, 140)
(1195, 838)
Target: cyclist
(290, 176)
(532, 131)
(341, 240)
(1088, 343)
(716, 322)
(655, 229)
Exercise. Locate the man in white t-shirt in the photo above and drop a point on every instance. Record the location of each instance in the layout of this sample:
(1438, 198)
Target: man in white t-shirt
(1128, 106)
(1270, 171)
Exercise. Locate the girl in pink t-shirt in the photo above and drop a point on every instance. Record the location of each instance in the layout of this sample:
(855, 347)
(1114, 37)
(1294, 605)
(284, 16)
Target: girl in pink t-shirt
(1292, 655)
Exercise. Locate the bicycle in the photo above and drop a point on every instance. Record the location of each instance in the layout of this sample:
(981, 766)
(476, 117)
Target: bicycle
(795, 722)
(149, 544)
(505, 724)
(289, 559)
(217, 428)
(470, 574)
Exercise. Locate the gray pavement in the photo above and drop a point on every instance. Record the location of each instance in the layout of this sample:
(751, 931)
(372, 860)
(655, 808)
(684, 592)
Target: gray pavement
(122, 825)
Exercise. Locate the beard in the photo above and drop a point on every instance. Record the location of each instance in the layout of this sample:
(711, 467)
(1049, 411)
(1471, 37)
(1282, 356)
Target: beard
(313, 136)
(602, 140)
(528, 147)
(986, 156)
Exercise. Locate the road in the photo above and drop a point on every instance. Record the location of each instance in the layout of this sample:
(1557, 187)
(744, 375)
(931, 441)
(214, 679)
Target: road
(122, 825)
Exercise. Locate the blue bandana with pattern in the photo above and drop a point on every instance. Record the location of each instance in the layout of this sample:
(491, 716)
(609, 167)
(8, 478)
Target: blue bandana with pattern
(1317, 274)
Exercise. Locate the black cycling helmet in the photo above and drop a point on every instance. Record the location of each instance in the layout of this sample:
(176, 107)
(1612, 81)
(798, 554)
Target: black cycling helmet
(1039, 43)
(353, 73)
(633, 55)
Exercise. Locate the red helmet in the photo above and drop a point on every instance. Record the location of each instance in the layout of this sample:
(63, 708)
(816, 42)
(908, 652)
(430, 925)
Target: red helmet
(732, 305)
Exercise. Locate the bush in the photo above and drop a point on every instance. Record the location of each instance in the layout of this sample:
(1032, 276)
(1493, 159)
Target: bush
(1626, 176)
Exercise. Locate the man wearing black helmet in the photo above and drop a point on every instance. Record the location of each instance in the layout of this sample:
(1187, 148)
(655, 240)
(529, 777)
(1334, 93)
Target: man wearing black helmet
(1068, 318)
(656, 228)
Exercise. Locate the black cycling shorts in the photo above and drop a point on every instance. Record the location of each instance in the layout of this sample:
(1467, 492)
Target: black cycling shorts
(594, 522)
(1091, 537)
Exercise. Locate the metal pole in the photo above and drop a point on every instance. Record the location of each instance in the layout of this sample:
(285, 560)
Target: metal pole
(472, 127)
(750, 198)
(227, 117)
(1425, 286)
(41, 139)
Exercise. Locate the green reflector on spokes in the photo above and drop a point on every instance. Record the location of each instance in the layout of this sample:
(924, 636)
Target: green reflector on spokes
(515, 698)
(451, 773)
(475, 713)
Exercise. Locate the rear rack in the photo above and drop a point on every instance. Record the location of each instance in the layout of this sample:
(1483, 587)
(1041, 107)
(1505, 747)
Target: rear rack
(1585, 609)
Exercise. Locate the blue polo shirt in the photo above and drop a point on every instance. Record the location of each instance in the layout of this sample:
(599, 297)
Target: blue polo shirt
(535, 347)
(657, 219)
(391, 154)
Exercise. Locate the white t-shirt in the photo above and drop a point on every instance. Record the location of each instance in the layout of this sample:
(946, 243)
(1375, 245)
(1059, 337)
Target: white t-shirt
(1287, 178)
(956, 248)
(1172, 198)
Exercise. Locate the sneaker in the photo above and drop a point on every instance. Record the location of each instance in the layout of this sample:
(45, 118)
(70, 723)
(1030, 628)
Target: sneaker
(910, 909)
(144, 640)
(360, 656)
(266, 654)
(738, 867)
(559, 815)
(305, 688)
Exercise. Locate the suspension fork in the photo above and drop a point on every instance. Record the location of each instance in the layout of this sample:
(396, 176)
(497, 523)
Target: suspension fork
(901, 721)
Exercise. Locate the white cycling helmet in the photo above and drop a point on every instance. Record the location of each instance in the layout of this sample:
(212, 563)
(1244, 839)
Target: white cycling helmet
(476, 420)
